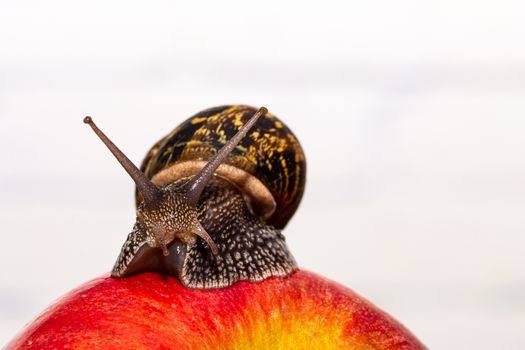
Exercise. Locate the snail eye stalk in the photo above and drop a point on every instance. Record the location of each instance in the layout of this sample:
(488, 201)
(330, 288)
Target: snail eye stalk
(150, 193)
(195, 186)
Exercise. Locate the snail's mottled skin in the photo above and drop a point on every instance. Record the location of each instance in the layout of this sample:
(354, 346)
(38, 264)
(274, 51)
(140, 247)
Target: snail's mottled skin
(250, 249)
(231, 175)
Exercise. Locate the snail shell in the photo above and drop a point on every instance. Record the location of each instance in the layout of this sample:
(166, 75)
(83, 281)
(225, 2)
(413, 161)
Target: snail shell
(268, 165)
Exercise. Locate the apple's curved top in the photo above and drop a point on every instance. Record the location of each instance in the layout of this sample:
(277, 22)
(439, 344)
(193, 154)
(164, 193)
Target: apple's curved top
(153, 311)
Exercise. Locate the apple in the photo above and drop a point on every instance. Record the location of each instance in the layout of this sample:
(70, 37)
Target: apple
(155, 311)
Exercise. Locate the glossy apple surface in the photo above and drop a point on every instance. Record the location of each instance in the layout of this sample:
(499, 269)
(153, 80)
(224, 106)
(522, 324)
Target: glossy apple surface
(153, 311)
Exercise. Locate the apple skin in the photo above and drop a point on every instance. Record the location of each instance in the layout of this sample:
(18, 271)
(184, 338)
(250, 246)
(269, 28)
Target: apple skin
(154, 311)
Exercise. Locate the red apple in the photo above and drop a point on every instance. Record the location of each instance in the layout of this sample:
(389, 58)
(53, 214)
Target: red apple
(154, 311)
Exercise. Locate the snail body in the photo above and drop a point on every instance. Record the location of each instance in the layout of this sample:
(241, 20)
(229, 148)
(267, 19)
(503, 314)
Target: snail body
(238, 208)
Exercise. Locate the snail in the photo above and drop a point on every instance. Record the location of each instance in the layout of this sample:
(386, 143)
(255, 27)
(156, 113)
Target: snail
(212, 198)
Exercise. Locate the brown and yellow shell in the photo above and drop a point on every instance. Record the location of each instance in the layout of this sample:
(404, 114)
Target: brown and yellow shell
(268, 165)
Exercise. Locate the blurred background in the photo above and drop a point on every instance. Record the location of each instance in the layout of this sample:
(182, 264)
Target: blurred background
(411, 113)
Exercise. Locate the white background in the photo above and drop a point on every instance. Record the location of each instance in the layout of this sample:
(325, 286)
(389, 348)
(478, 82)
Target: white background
(411, 113)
